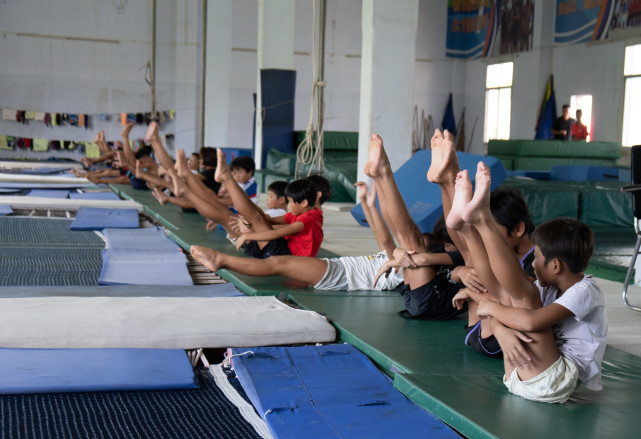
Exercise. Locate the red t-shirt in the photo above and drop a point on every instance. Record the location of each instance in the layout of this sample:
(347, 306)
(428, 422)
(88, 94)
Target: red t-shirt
(307, 241)
(579, 131)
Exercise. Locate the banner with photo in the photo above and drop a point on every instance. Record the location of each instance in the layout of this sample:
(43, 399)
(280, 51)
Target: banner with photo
(481, 28)
(581, 21)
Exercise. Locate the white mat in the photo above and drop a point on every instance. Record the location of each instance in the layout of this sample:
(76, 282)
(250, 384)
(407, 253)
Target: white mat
(53, 179)
(157, 322)
(20, 202)
(24, 164)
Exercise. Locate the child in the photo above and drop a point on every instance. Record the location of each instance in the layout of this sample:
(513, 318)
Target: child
(243, 168)
(345, 273)
(194, 162)
(565, 338)
(276, 199)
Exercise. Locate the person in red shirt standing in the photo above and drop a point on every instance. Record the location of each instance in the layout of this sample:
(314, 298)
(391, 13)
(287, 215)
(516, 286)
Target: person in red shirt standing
(579, 131)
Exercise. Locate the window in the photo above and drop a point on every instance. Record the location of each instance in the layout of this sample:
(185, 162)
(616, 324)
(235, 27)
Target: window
(583, 103)
(498, 100)
(632, 99)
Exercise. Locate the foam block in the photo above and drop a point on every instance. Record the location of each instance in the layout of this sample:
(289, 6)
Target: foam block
(93, 370)
(144, 267)
(329, 391)
(423, 199)
(149, 238)
(5, 210)
(92, 218)
(49, 193)
(94, 196)
(583, 173)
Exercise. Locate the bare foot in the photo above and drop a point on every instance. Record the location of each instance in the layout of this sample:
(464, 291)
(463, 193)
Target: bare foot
(181, 167)
(160, 196)
(462, 195)
(210, 258)
(125, 131)
(139, 171)
(479, 206)
(97, 138)
(86, 162)
(180, 187)
(152, 132)
(223, 173)
(444, 166)
(377, 162)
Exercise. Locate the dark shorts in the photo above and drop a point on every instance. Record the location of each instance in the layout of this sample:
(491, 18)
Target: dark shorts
(486, 346)
(432, 301)
(277, 247)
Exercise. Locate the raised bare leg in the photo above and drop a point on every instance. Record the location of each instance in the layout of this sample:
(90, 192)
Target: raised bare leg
(303, 269)
(154, 140)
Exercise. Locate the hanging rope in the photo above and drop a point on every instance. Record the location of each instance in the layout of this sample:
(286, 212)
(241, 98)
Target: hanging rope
(310, 150)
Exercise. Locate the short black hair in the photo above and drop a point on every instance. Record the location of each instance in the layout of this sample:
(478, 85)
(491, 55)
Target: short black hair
(509, 209)
(196, 154)
(244, 162)
(565, 106)
(208, 156)
(303, 189)
(323, 186)
(278, 188)
(567, 239)
(144, 152)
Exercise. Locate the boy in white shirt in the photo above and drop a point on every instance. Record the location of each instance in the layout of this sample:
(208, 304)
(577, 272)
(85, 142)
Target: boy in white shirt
(554, 334)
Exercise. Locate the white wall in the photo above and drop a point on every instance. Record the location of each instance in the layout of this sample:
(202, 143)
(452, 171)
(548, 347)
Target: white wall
(48, 74)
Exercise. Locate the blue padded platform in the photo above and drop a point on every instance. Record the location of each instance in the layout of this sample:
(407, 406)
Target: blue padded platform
(583, 173)
(535, 175)
(215, 290)
(5, 210)
(94, 218)
(329, 391)
(144, 267)
(9, 191)
(94, 196)
(37, 171)
(28, 185)
(49, 193)
(423, 199)
(148, 238)
(93, 370)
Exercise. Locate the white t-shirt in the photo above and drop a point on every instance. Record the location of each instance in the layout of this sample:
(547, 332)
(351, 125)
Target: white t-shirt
(581, 338)
(275, 213)
(361, 271)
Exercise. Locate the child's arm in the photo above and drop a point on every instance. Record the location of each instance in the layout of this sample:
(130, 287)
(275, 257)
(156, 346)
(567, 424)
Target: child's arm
(468, 277)
(523, 319)
(511, 344)
(270, 235)
(278, 220)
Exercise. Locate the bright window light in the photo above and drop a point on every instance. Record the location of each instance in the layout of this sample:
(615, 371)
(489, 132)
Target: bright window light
(498, 101)
(583, 103)
(631, 135)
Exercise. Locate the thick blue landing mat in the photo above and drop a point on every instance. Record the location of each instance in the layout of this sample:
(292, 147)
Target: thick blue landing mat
(144, 267)
(94, 196)
(9, 191)
(49, 193)
(27, 185)
(422, 198)
(93, 218)
(148, 238)
(5, 209)
(329, 391)
(93, 370)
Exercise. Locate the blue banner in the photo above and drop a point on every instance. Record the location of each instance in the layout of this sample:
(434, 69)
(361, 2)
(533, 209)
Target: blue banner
(581, 21)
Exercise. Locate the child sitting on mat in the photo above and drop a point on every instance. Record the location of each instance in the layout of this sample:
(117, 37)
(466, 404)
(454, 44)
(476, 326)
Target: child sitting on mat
(554, 333)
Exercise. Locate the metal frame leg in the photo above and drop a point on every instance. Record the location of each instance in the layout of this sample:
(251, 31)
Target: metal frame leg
(628, 276)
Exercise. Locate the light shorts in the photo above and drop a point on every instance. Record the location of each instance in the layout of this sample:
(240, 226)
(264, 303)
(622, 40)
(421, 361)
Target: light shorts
(554, 385)
(335, 278)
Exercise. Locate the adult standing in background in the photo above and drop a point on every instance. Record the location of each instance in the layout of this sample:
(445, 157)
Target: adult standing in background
(562, 128)
(579, 131)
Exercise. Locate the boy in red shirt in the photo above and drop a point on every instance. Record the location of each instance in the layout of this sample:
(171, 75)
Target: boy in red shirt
(298, 233)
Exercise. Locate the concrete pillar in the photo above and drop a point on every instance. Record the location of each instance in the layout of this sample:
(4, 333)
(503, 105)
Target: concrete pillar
(275, 49)
(387, 78)
(218, 72)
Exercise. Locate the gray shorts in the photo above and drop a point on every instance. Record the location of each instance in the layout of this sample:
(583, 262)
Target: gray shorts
(335, 278)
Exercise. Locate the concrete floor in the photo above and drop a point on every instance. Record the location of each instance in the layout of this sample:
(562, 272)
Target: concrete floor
(344, 236)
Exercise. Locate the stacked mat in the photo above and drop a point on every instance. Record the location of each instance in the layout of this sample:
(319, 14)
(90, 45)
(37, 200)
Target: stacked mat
(142, 257)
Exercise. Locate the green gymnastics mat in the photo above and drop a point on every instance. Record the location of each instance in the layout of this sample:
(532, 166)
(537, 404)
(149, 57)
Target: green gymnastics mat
(431, 365)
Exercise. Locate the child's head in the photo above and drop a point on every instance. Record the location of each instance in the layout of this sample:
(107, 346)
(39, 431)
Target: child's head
(301, 195)
(276, 198)
(208, 157)
(144, 156)
(439, 240)
(194, 161)
(566, 239)
(323, 188)
(510, 210)
(242, 168)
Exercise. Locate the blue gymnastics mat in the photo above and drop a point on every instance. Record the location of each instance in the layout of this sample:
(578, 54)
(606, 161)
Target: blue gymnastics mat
(147, 238)
(5, 209)
(215, 290)
(329, 391)
(49, 193)
(94, 196)
(144, 267)
(423, 199)
(93, 370)
(28, 185)
(9, 191)
(94, 218)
